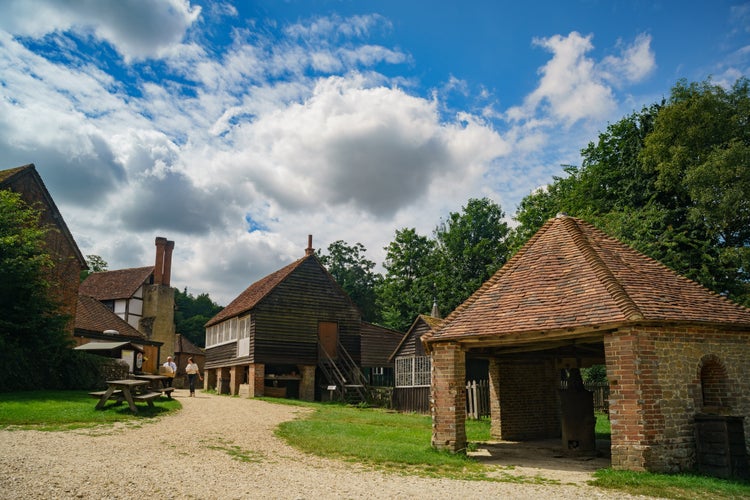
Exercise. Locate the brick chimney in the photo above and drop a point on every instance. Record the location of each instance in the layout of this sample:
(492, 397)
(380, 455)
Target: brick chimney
(309, 250)
(167, 274)
(161, 243)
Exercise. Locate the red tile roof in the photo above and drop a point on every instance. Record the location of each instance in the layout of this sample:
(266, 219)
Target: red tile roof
(93, 316)
(111, 285)
(255, 293)
(571, 275)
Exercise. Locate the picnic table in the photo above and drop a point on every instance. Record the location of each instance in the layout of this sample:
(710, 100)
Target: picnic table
(130, 390)
(156, 383)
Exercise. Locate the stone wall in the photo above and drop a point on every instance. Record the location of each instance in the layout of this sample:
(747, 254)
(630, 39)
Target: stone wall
(656, 389)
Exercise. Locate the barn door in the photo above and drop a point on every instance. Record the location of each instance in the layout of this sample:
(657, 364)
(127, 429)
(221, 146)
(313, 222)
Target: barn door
(328, 338)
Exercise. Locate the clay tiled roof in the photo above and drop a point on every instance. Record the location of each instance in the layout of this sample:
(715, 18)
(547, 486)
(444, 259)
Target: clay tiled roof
(111, 285)
(183, 345)
(571, 276)
(255, 293)
(93, 316)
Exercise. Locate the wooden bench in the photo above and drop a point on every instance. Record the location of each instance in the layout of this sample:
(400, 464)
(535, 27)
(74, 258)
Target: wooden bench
(98, 394)
(167, 391)
(148, 397)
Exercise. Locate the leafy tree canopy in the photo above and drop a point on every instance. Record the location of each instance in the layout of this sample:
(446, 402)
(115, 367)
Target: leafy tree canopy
(673, 181)
(33, 340)
(191, 313)
(354, 273)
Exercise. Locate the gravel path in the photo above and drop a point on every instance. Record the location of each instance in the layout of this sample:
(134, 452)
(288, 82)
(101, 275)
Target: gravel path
(189, 455)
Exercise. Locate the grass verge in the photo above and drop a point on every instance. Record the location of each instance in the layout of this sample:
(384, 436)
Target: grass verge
(389, 441)
(678, 486)
(66, 410)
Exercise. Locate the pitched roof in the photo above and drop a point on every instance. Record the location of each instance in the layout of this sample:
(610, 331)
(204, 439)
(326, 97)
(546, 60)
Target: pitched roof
(432, 323)
(571, 275)
(13, 178)
(378, 343)
(183, 344)
(93, 316)
(111, 285)
(256, 292)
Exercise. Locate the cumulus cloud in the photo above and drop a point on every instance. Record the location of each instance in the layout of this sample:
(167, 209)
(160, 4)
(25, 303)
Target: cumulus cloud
(574, 87)
(137, 29)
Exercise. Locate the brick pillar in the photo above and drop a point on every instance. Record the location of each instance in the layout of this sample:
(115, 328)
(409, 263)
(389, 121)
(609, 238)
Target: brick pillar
(496, 420)
(448, 397)
(235, 378)
(210, 378)
(256, 378)
(635, 417)
(307, 384)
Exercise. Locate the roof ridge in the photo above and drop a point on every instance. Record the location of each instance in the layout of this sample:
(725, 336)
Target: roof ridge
(510, 264)
(621, 298)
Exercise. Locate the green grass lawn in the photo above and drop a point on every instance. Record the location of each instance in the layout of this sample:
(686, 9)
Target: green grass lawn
(62, 410)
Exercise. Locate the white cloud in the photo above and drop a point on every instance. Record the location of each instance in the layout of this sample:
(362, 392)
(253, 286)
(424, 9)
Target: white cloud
(575, 87)
(137, 29)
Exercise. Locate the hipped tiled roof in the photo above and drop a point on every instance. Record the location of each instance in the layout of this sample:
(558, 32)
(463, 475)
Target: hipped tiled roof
(571, 275)
(93, 316)
(255, 292)
(112, 285)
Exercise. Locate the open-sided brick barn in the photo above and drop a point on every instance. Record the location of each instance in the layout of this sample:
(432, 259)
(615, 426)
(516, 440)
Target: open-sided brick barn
(675, 352)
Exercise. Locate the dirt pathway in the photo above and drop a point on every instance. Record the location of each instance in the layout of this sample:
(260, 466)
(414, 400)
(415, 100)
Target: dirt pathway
(219, 447)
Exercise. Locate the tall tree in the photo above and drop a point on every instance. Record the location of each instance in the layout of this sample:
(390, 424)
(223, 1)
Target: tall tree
(354, 273)
(191, 313)
(96, 265)
(471, 246)
(33, 340)
(700, 152)
(408, 287)
(673, 181)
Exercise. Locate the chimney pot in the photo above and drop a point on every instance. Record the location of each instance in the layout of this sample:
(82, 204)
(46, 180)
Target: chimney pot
(309, 250)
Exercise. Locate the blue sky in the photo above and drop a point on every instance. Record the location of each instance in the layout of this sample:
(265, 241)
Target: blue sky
(238, 128)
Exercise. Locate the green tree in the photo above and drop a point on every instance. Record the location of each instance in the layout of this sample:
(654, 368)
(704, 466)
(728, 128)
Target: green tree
(471, 246)
(192, 313)
(96, 265)
(408, 287)
(700, 152)
(673, 181)
(354, 273)
(33, 340)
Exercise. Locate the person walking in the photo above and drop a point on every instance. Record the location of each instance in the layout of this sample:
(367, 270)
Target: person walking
(170, 369)
(192, 371)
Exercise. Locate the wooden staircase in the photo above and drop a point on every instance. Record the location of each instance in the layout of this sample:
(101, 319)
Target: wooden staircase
(344, 376)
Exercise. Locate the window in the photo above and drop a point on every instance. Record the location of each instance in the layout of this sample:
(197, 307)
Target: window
(413, 371)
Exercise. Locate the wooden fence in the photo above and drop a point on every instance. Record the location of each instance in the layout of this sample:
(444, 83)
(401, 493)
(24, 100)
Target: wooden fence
(417, 399)
(477, 399)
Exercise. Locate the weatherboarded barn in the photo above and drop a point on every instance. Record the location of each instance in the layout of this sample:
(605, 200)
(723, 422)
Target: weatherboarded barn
(273, 338)
(572, 297)
(413, 367)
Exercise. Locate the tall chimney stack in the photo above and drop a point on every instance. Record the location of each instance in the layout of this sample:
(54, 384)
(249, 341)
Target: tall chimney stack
(167, 269)
(309, 250)
(159, 264)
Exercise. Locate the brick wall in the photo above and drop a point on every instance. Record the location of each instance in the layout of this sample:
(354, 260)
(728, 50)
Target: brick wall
(448, 397)
(524, 399)
(656, 390)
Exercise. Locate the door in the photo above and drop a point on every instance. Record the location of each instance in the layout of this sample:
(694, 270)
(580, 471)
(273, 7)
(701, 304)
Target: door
(328, 339)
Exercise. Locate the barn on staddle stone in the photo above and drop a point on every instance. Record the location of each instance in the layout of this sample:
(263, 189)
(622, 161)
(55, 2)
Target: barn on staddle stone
(572, 297)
